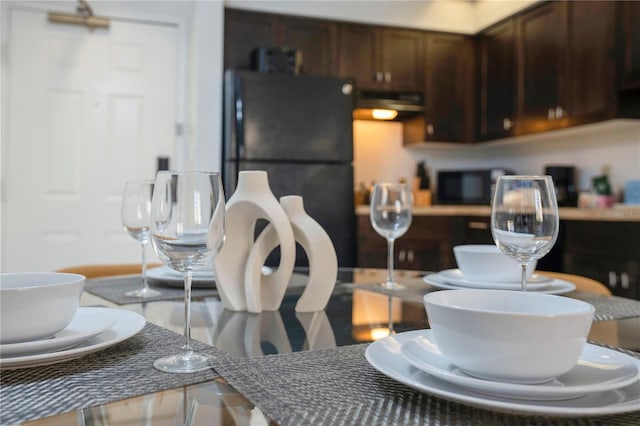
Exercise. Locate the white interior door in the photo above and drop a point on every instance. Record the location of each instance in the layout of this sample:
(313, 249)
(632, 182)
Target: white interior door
(87, 110)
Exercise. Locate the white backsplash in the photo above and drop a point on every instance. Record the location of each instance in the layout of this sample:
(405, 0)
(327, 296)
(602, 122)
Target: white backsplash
(380, 156)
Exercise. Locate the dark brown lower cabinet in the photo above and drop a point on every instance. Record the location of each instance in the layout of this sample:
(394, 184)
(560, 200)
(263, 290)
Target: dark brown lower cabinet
(608, 252)
(426, 246)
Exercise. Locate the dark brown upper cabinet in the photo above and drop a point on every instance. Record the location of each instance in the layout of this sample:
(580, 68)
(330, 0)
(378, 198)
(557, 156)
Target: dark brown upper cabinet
(380, 58)
(591, 62)
(449, 88)
(244, 31)
(315, 38)
(497, 75)
(566, 65)
(542, 36)
(629, 42)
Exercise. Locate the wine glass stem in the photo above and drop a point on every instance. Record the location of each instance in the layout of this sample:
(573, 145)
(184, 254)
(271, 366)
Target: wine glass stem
(187, 312)
(523, 279)
(144, 265)
(390, 280)
(390, 310)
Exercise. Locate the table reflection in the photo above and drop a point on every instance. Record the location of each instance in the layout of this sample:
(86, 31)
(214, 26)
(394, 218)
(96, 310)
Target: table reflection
(356, 313)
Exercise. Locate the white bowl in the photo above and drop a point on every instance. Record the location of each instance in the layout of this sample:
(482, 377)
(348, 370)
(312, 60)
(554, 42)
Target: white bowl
(509, 336)
(485, 262)
(36, 305)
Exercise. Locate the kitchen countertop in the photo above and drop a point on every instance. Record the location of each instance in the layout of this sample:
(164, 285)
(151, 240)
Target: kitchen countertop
(618, 213)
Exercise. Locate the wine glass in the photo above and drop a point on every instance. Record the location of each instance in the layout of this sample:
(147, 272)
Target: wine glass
(135, 215)
(187, 230)
(390, 216)
(524, 218)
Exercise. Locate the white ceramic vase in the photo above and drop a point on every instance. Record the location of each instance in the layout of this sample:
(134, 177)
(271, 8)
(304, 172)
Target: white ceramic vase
(239, 263)
(323, 261)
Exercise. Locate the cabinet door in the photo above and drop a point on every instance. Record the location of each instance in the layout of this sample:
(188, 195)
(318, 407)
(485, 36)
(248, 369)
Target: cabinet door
(426, 245)
(448, 87)
(358, 55)
(591, 80)
(243, 32)
(401, 59)
(472, 230)
(542, 42)
(497, 103)
(618, 273)
(629, 12)
(605, 251)
(316, 39)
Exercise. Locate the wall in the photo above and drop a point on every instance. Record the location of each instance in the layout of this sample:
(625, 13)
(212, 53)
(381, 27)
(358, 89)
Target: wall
(615, 144)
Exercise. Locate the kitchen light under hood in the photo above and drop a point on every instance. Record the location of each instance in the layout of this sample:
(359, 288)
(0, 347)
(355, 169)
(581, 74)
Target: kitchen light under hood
(384, 105)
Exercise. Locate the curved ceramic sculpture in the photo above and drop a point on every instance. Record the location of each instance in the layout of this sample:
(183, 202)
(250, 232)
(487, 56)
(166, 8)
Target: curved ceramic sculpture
(236, 265)
(323, 261)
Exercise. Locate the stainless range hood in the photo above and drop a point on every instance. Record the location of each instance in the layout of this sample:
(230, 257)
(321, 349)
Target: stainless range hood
(384, 105)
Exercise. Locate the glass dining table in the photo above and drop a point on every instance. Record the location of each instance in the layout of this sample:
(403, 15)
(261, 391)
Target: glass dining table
(285, 367)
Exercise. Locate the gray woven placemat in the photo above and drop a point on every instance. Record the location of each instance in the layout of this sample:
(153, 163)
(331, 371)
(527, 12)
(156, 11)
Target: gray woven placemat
(114, 289)
(122, 371)
(607, 307)
(611, 307)
(338, 386)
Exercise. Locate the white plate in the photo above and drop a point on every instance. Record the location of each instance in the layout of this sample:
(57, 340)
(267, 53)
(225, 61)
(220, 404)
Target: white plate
(127, 324)
(598, 369)
(168, 276)
(86, 323)
(456, 277)
(385, 356)
(555, 286)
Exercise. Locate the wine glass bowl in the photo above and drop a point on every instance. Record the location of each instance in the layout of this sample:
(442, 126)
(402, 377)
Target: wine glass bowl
(187, 230)
(135, 216)
(524, 218)
(390, 214)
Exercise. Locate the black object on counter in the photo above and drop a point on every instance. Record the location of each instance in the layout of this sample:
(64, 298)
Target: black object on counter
(423, 176)
(564, 179)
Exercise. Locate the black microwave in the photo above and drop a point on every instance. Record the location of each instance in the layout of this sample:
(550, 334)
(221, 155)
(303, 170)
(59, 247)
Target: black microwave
(468, 186)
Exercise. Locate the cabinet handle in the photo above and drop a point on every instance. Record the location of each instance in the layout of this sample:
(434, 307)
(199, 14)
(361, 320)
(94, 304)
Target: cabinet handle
(613, 279)
(551, 114)
(387, 77)
(430, 130)
(507, 124)
(624, 280)
(559, 112)
(410, 255)
(401, 256)
(378, 76)
(477, 225)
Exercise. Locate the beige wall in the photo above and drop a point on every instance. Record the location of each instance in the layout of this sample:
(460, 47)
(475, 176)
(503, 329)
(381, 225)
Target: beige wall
(380, 155)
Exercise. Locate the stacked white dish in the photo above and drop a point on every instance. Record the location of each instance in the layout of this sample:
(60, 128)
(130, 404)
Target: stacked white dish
(200, 279)
(486, 267)
(90, 330)
(165, 275)
(604, 381)
(453, 279)
(511, 351)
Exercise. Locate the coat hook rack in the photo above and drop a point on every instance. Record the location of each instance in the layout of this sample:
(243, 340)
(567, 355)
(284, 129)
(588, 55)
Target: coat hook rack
(84, 17)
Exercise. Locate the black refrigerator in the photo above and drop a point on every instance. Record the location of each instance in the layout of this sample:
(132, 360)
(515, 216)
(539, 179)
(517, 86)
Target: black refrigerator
(299, 129)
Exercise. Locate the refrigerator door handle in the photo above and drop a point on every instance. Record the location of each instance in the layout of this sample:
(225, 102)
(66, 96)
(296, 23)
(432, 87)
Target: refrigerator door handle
(237, 119)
